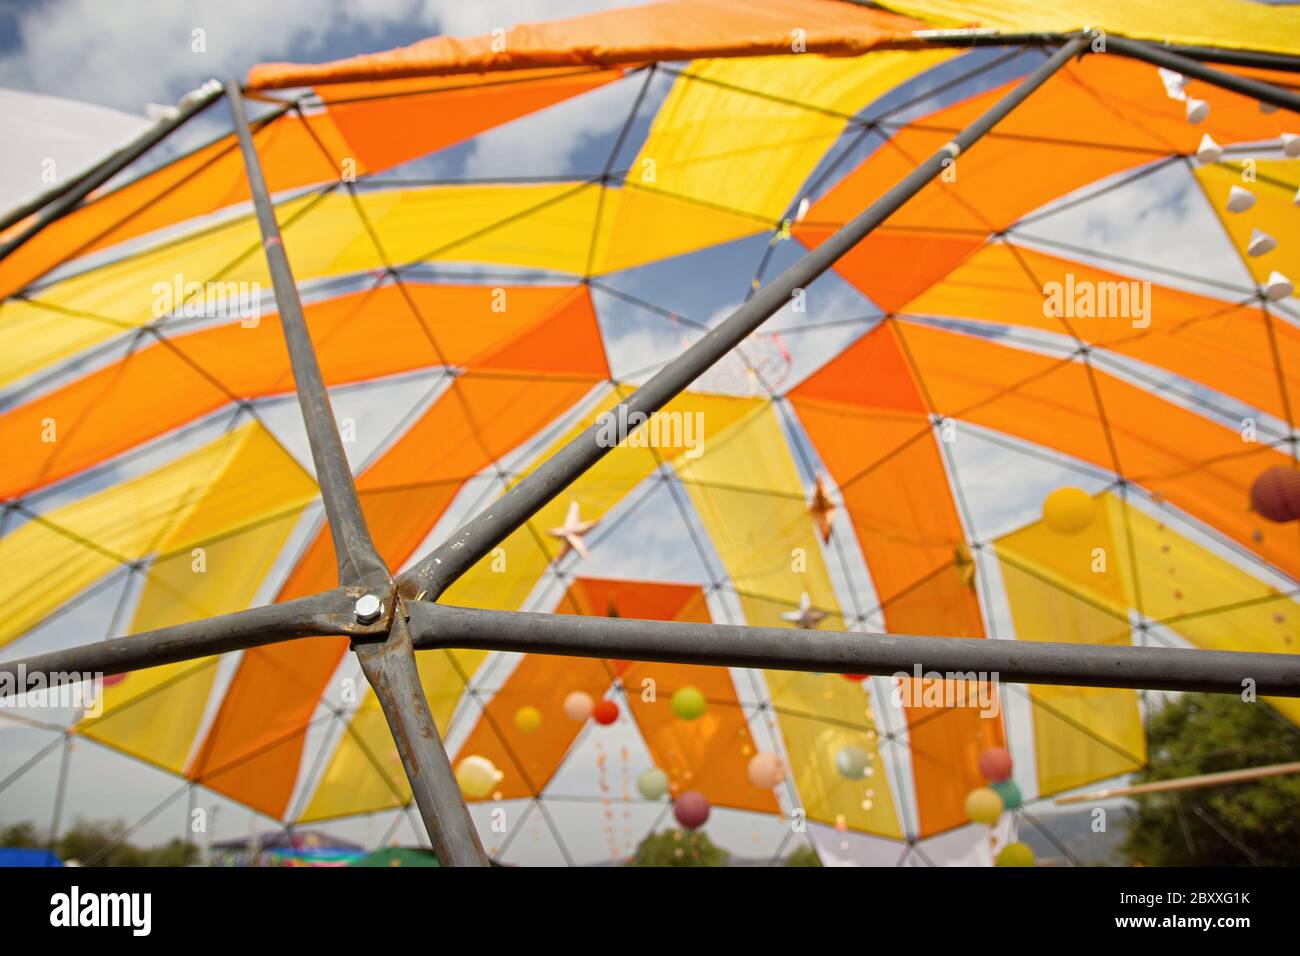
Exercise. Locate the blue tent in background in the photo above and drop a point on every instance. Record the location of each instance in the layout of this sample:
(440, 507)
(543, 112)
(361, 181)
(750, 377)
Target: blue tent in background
(10, 857)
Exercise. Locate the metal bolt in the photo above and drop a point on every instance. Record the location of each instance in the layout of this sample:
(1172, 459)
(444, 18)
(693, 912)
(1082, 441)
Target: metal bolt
(368, 609)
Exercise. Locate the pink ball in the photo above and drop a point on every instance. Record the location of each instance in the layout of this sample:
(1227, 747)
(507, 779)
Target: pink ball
(691, 809)
(765, 770)
(995, 764)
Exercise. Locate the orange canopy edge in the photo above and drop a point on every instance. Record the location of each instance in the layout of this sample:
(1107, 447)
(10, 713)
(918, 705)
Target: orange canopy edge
(669, 30)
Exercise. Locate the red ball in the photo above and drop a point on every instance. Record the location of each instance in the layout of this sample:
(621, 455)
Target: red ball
(691, 809)
(856, 678)
(995, 764)
(605, 712)
(1276, 493)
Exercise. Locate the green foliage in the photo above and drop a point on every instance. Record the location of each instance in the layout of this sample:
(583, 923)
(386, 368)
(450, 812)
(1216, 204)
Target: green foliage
(1211, 733)
(678, 848)
(21, 836)
(100, 843)
(804, 856)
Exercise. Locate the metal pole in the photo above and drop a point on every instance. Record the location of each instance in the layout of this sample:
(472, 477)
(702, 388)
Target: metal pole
(332, 612)
(1186, 783)
(389, 664)
(359, 562)
(66, 196)
(391, 669)
(1151, 53)
(433, 573)
(1030, 662)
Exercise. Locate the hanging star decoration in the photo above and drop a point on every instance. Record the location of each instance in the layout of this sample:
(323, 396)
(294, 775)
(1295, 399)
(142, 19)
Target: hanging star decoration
(572, 533)
(822, 509)
(806, 616)
(964, 561)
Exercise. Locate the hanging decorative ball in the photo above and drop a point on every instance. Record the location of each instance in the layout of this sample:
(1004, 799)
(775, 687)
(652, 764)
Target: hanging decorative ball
(765, 770)
(1275, 494)
(605, 712)
(983, 805)
(1015, 854)
(856, 678)
(995, 764)
(1068, 510)
(691, 809)
(578, 705)
(688, 703)
(652, 784)
(852, 762)
(528, 720)
(1009, 791)
(477, 776)
(1291, 144)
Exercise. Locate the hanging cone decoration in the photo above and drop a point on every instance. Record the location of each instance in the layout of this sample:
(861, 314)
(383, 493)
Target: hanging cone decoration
(1239, 200)
(1291, 144)
(1175, 84)
(1208, 151)
(1197, 110)
(1260, 243)
(1278, 286)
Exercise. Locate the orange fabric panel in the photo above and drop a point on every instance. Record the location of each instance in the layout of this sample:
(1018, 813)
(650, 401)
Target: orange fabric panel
(709, 754)
(867, 418)
(1099, 116)
(1178, 455)
(671, 30)
(1224, 346)
(376, 120)
(374, 134)
(403, 495)
(358, 336)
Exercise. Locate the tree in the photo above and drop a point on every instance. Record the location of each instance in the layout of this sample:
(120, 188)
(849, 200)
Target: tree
(1233, 825)
(679, 848)
(21, 836)
(803, 856)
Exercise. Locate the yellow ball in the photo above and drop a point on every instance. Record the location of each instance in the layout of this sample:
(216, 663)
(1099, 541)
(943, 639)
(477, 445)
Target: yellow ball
(1068, 510)
(477, 776)
(1015, 854)
(528, 720)
(983, 805)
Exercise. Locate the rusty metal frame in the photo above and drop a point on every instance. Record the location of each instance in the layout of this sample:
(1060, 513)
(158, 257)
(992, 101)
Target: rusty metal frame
(389, 619)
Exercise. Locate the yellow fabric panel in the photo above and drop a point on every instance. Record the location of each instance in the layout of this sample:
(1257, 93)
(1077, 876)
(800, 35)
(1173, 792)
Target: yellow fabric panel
(550, 226)
(33, 336)
(155, 714)
(50, 559)
(339, 791)
(1235, 24)
(1081, 734)
(1182, 585)
(1274, 211)
(713, 141)
(748, 496)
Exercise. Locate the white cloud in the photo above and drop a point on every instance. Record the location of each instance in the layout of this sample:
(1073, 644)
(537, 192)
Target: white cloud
(128, 54)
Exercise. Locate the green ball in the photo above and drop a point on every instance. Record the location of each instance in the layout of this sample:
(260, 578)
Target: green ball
(852, 762)
(1015, 854)
(689, 703)
(1009, 792)
(652, 784)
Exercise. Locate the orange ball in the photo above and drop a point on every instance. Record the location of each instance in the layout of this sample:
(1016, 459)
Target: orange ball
(605, 712)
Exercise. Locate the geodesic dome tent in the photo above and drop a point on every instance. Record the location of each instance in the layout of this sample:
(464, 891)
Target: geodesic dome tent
(1028, 404)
